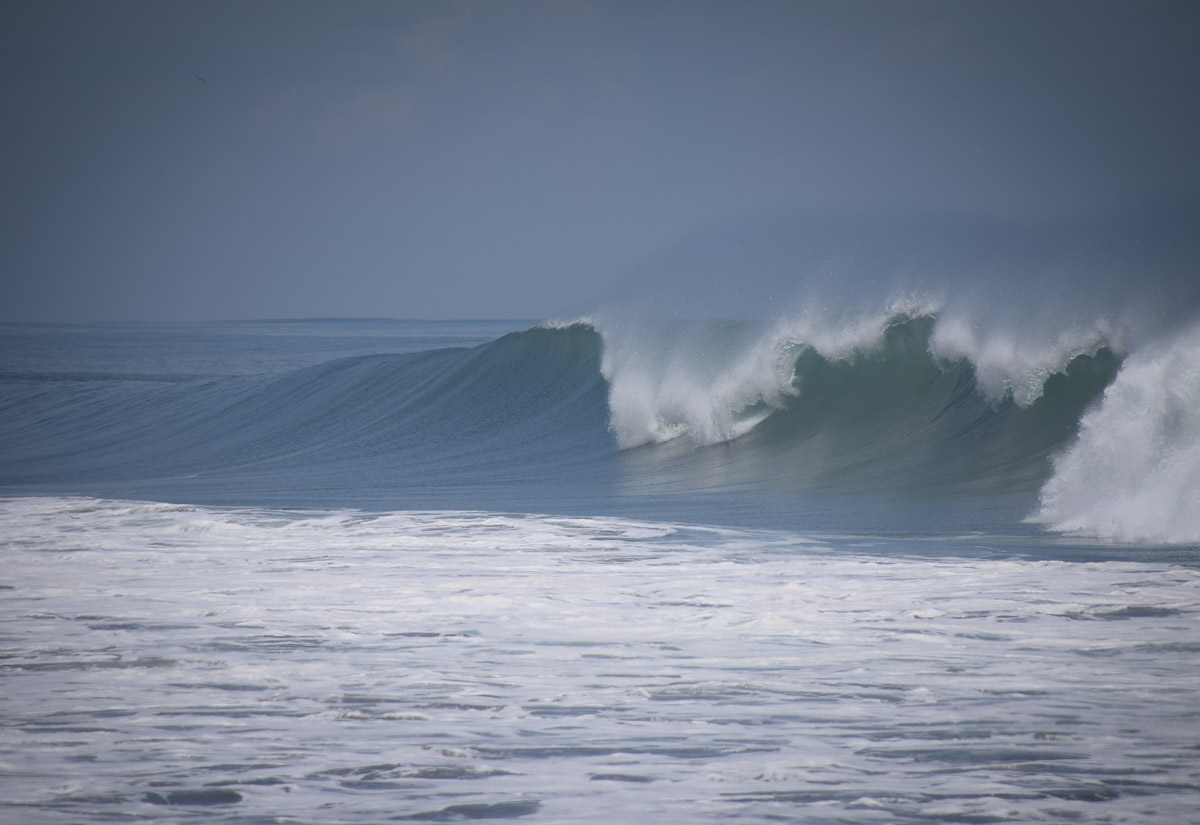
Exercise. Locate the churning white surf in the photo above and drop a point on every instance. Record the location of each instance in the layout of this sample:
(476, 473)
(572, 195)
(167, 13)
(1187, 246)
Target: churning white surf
(1134, 472)
(164, 661)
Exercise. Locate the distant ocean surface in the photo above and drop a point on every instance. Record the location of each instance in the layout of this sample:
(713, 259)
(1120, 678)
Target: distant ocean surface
(897, 566)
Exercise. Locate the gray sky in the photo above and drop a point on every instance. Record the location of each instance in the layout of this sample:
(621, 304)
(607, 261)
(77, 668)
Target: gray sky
(192, 160)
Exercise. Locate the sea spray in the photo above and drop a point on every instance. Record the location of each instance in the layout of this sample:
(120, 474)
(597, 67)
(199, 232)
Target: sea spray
(1133, 475)
(714, 381)
(1017, 364)
(1013, 329)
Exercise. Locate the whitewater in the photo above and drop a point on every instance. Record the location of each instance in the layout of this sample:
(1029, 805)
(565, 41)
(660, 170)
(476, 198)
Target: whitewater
(919, 544)
(177, 663)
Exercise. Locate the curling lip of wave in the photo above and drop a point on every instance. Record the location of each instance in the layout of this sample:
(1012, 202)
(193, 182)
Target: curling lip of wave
(717, 381)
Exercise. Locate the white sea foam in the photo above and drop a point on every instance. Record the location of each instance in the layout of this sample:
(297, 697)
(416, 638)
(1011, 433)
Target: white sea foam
(1134, 472)
(442, 666)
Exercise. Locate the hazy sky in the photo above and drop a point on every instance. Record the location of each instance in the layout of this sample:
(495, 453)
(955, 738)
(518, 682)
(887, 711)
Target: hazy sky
(179, 159)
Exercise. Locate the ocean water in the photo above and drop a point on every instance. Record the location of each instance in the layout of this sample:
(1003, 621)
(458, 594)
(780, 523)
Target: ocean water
(901, 564)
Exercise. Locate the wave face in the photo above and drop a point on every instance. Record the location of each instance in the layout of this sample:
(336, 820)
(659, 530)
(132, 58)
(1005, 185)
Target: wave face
(403, 428)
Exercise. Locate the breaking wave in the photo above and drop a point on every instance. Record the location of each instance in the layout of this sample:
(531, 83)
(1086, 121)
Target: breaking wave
(1134, 472)
(1079, 405)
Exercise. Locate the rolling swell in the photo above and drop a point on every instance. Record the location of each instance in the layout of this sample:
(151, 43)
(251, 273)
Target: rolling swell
(401, 429)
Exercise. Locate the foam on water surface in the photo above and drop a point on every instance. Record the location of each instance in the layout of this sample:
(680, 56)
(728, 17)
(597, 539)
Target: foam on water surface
(180, 663)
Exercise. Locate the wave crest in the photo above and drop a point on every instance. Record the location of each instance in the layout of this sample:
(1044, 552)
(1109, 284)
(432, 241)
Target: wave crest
(715, 381)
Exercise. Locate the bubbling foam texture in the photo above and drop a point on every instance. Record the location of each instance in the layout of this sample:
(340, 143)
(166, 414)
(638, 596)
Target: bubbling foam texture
(1134, 472)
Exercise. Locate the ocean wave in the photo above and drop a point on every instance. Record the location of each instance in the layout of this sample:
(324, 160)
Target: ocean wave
(715, 381)
(1134, 472)
(962, 354)
(595, 415)
(910, 397)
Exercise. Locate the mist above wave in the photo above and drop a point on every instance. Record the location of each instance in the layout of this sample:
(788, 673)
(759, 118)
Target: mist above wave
(1017, 304)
